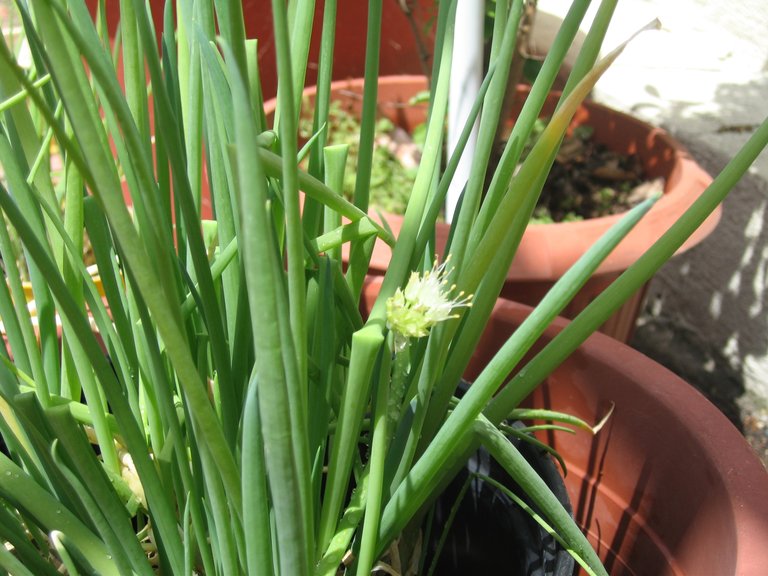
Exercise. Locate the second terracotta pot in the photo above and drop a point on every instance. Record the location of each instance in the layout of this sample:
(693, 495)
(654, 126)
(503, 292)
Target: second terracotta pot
(548, 250)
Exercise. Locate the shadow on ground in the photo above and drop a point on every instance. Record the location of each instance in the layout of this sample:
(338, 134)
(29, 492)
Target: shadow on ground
(706, 317)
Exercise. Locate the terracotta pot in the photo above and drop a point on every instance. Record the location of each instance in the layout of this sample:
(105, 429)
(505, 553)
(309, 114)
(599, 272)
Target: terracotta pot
(399, 51)
(548, 250)
(669, 486)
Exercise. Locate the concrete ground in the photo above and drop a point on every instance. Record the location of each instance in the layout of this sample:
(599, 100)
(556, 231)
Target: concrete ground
(704, 77)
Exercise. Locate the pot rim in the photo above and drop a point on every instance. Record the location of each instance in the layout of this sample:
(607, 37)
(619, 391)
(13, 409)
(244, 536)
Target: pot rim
(719, 446)
(547, 251)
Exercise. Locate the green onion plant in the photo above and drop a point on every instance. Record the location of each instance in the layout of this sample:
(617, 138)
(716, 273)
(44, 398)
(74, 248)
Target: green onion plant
(224, 407)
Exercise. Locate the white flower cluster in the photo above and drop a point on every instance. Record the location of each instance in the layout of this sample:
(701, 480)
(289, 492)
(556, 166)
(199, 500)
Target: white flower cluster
(425, 301)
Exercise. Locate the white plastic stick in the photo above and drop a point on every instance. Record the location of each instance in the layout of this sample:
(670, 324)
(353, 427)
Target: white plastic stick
(466, 77)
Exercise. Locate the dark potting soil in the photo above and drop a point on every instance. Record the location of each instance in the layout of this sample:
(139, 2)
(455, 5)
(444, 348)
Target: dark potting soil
(588, 180)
